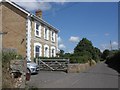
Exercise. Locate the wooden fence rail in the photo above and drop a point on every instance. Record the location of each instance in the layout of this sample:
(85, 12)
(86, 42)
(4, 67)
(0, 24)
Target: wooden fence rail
(53, 64)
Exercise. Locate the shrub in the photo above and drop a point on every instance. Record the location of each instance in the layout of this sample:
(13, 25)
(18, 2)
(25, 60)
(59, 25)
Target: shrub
(114, 61)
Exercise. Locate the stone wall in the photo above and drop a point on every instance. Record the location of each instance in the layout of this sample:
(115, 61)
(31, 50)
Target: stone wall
(76, 68)
(17, 68)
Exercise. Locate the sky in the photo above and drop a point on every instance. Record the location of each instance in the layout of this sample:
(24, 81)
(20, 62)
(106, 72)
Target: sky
(96, 21)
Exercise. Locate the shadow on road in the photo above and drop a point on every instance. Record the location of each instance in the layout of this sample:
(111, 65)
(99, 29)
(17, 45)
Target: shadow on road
(114, 62)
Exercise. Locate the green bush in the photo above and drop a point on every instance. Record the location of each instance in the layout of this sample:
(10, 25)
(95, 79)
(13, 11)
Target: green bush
(7, 56)
(114, 61)
(79, 59)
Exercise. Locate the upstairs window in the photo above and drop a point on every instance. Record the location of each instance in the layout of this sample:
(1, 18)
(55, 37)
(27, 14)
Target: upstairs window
(37, 29)
(52, 36)
(46, 33)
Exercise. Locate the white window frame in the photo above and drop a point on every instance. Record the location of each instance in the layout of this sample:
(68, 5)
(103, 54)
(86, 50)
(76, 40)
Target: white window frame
(53, 55)
(37, 44)
(46, 54)
(52, 36)
(39, 29)
(46, 35)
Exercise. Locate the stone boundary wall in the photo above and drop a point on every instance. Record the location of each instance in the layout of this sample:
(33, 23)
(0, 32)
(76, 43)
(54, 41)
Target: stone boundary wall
(18, 72)
(76, 68)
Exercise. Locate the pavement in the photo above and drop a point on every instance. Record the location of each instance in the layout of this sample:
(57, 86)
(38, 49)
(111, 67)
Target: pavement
(100, 76)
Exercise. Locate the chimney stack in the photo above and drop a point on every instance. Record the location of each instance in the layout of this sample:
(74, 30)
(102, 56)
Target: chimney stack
(39, 13)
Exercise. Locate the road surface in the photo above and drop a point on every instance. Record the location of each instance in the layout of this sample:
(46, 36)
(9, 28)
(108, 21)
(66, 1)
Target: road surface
(99, 76)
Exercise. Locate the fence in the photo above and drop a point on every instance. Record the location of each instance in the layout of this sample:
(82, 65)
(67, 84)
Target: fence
(53, 64)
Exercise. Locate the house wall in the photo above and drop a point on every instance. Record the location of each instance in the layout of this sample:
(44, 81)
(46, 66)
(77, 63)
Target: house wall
(14, 23)
(41, 40)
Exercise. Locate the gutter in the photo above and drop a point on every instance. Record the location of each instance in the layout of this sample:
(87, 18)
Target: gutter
(44, 22)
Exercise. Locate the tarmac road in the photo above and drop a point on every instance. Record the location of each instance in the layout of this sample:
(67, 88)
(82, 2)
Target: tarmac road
(99, 76)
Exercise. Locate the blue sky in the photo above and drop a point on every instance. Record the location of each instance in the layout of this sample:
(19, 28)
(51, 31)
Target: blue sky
(98, 22)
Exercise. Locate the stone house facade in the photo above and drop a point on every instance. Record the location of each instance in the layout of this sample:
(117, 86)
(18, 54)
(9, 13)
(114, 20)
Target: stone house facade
(27, 33)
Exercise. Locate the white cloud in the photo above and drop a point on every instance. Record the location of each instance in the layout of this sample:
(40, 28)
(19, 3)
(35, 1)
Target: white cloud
(107, 34)
(108, 46)
(62, 46)
(74, 39)
(70, 51)
(103, 47)
(59, 40)
(115, 45)
(34, 5)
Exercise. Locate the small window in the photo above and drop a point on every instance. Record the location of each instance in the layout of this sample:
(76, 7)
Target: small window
(46, 33)
(37, 30)
(37, 26)
(53, 36)
(52, 52)
(46, 51)
(37, 51)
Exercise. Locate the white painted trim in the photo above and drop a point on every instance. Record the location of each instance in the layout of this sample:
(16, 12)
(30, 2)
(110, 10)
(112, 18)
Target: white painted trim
(28, 39)
(38, 44)
(46, 38)
(53, 36)
(57, 43)
(53, 47)
(46, 54)
(18, 7)
(45, 23)
(40, 27)
(32, 15)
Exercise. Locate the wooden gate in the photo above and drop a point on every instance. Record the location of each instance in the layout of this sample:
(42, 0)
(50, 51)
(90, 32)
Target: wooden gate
(53, 64)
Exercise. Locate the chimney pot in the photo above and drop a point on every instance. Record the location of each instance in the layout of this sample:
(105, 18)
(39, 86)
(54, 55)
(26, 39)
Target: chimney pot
(39, 13)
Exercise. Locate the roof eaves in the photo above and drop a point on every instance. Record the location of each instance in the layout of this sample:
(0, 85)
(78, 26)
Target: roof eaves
(17, 6)
(29, 14)
(44, 22)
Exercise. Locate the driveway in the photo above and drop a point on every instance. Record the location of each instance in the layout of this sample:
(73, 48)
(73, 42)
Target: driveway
(99, 76)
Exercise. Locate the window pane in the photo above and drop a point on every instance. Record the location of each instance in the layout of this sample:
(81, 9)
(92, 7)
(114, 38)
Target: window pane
(52, 52)
(37, 26)
(37, 32)
(52, 33)
(37, 55)
(45, 33)
(37, 49)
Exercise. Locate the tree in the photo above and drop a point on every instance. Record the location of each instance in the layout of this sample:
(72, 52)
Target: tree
(105, 54)
(61, 53)
(97, 54)
(86, 51)
(83, 45)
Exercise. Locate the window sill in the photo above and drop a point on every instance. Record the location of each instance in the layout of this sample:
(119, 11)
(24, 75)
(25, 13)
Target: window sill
(46, 39)
(53, 41)
(37, 36)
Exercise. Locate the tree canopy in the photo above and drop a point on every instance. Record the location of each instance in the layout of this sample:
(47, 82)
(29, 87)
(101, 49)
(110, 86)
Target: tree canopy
(86, 50)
